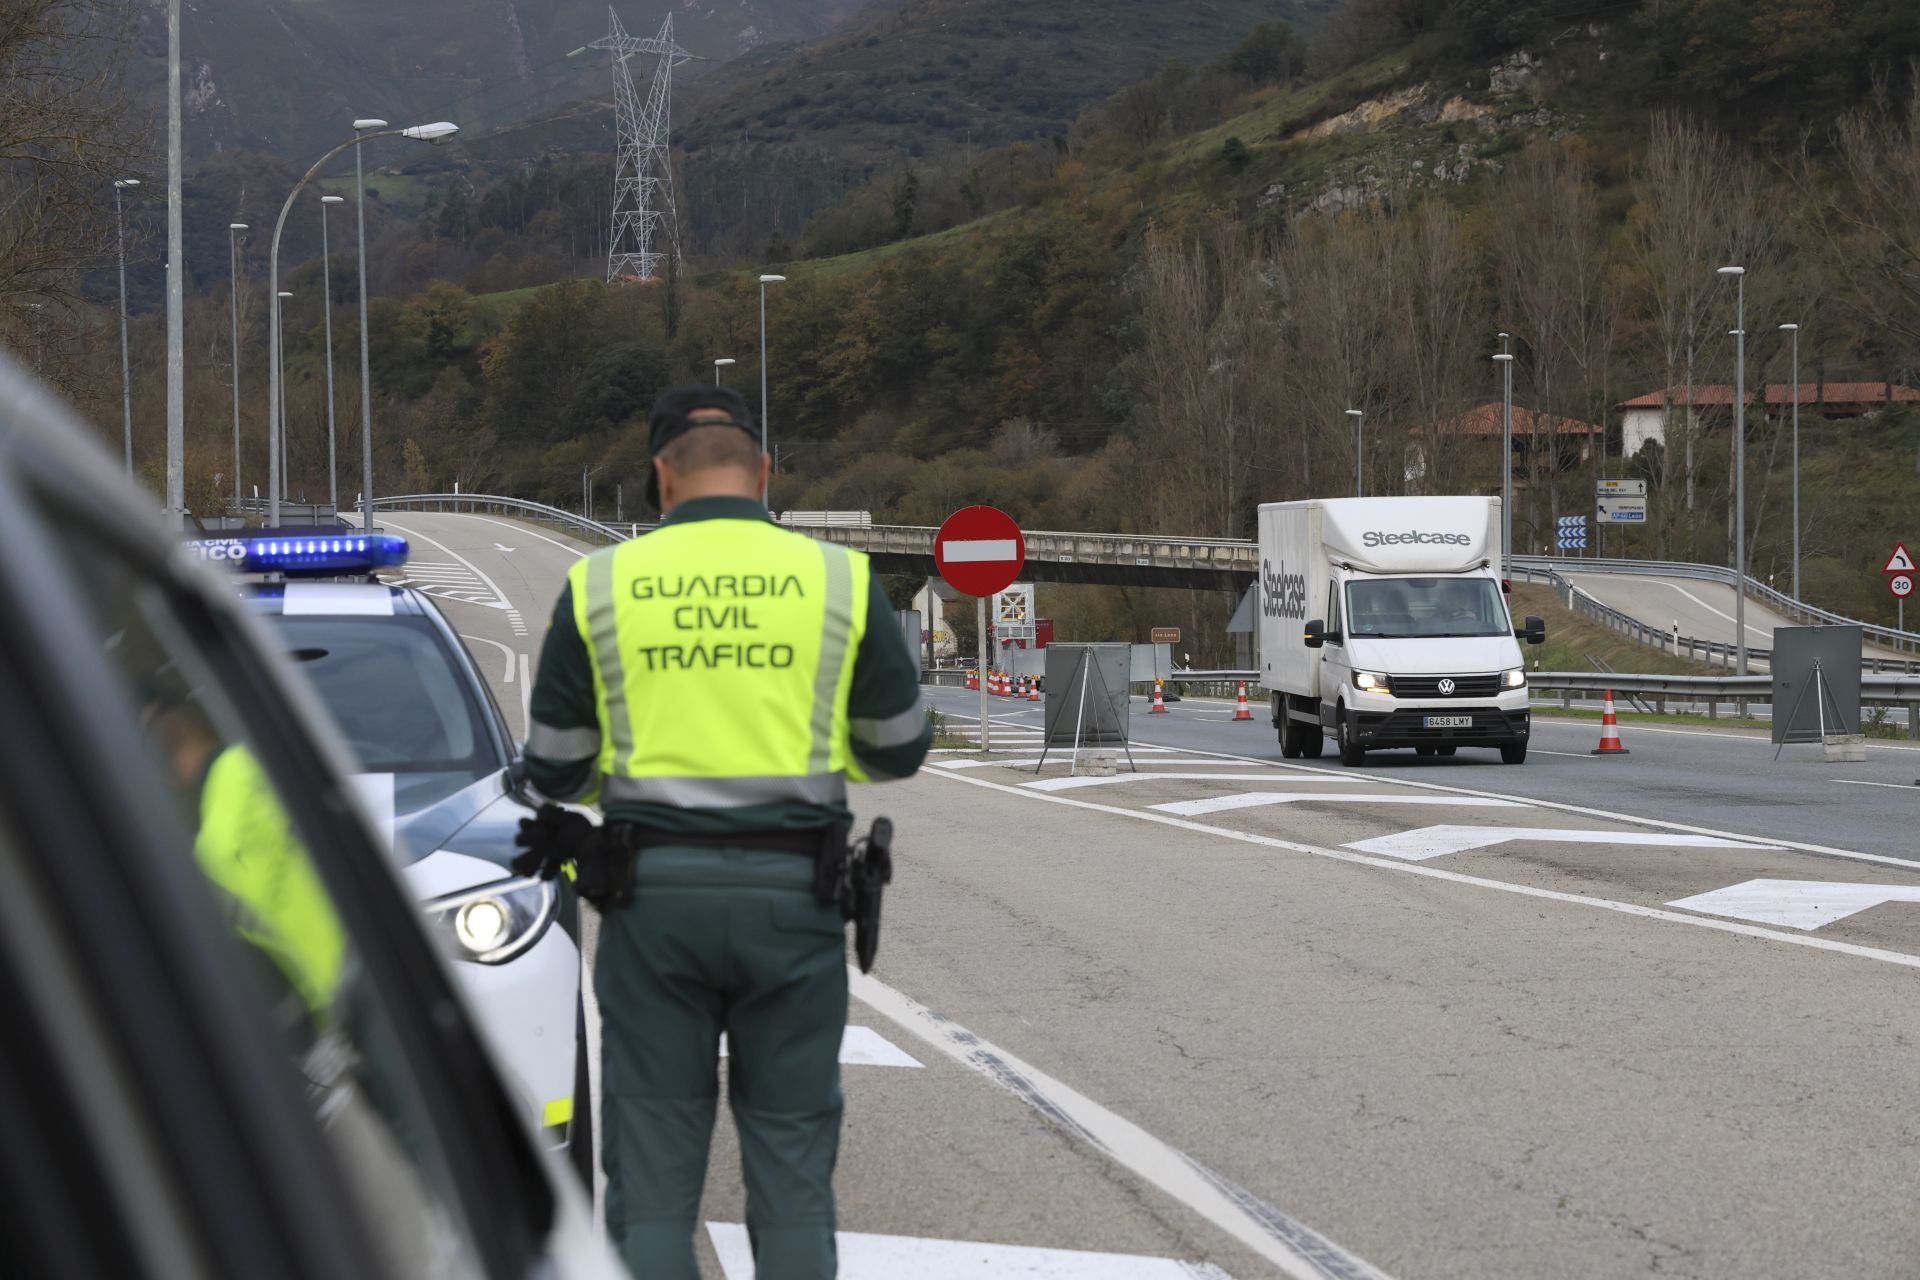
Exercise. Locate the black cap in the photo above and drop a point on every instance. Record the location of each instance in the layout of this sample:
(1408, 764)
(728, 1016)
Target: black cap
(668, 420)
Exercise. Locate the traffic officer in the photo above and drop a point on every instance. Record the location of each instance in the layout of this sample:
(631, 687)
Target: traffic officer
(714, 684)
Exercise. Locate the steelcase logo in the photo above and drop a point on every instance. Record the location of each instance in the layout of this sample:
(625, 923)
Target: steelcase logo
(1373, 538)
(1282, 594)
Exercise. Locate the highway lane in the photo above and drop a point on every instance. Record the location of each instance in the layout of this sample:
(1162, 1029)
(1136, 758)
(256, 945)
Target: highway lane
(1707, 778)
(1703, 610)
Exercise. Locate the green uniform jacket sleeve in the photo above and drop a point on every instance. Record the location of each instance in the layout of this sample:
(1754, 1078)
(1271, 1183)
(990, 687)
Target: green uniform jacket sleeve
(889, 726)
(563, 742)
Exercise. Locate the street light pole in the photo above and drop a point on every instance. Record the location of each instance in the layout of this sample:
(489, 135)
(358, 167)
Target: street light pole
(1359, 476)
(233, 309)
(126, 369)
(765, 280)
(279, 299)
(326, 310)
(1506, 453)
(176, 283)
(1794, 329)
(719, 363)
(1739, 275)
(431, 133)
(366, 388)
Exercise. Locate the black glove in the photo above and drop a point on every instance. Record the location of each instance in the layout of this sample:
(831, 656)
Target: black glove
(552, 838)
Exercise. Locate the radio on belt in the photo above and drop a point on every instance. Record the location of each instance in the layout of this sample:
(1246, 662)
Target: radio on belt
(305, 554)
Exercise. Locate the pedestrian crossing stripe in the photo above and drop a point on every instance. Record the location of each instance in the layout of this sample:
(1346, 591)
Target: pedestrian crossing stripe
(863, 1047)
(1258, 799)
(876, 1257)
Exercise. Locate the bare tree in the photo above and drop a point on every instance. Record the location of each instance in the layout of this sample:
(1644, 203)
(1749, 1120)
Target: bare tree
(1439, 330)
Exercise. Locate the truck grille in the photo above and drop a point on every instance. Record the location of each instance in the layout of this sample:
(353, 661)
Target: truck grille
(1429, 686)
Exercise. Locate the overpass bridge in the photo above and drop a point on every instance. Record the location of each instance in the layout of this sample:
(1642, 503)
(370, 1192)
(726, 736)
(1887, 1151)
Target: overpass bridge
(1638, 597)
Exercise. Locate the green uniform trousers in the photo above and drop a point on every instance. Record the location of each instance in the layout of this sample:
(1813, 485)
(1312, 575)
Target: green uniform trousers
(721, 940)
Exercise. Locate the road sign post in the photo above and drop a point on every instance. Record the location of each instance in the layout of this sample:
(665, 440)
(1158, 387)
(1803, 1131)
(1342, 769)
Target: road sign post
(979, 552)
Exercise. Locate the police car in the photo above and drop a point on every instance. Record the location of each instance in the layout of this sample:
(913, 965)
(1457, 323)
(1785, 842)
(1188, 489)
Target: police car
(440, 776)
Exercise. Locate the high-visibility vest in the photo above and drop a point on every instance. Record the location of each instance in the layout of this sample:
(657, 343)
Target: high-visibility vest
(722, 654)
(246, 845)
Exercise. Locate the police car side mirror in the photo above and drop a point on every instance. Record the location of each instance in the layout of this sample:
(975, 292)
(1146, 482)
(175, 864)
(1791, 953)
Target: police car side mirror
(1315, 633)
(1535, 632)
(516, 773)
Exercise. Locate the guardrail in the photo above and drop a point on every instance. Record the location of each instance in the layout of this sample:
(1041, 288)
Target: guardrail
(1779, 600)
(540, 512)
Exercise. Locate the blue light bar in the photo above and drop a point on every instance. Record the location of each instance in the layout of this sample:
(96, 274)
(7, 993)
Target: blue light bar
(310, 555)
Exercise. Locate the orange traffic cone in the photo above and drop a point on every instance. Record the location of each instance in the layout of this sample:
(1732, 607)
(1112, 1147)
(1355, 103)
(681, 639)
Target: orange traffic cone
(1241, 711)
(1158, 708)
(973, 679)
(1033, 689)
(1609, 732)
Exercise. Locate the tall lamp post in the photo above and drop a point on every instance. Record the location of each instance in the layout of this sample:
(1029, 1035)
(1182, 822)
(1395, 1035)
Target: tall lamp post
(1506, 453)
(436, 132)
(1794, 329)
(1739, 275)
(366, 386)
(326, 310)
(280, 297)
(719, 363)
(1359, 485)
(233, 310)
(765, 280)
(126, 368)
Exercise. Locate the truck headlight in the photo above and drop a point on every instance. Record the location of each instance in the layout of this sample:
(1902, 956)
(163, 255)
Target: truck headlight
(1371, 682)
(493, 923)
(1514, 679)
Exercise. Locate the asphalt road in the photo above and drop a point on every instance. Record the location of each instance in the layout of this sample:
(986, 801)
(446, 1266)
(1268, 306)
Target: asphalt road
(1225, 1016)
(1702, 610)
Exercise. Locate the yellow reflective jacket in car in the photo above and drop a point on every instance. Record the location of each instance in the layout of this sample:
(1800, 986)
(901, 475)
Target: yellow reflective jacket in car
(247, 847)
(722, 655)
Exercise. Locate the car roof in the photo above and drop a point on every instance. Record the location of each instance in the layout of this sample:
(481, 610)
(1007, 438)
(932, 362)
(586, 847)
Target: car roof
(335, 597)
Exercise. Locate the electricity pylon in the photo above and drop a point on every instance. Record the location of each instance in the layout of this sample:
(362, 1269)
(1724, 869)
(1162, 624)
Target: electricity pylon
(643, 175)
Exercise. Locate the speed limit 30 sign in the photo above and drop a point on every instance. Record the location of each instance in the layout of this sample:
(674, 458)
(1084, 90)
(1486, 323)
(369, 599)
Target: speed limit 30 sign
(1900, 585)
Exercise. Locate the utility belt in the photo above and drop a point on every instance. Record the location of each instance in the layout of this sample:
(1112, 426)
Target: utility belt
(853, 877)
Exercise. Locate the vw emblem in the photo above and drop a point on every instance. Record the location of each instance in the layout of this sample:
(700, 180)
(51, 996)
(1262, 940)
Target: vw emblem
(1446, 688)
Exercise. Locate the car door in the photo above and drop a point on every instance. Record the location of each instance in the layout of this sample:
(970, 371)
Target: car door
(415, 1145)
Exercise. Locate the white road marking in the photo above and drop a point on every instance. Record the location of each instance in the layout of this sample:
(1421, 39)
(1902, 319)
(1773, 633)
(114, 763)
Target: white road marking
(575, 552)
(1063, 756)
(1763, 633)
(506, 677)
(1076, 783)
(1855, 782)
(1900, 958)
(1797, 904)
(498, 546)
(862, 1047)
(1258, 799)
(526, 694)
(1297, 1249)
(1570, 755)
(499, 595)
(871, 1257)
(1436, 842)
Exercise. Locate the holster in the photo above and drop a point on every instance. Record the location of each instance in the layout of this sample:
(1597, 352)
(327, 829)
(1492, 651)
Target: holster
(869, 872)
(604, 871)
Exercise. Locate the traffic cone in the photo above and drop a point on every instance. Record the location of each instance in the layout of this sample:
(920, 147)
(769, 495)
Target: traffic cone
(1241, 711)
(1158, 708)
(1033, 689)
(973, 679)
(1609, 732)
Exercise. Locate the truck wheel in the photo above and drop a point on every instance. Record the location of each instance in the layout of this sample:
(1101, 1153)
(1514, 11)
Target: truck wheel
(1311, 741)
(1513, 753)
(1351, 754)
(1289, 740)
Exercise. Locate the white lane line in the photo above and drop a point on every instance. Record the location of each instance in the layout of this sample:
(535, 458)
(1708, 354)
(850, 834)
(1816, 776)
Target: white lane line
(506, 677)
(1297, 1249)
(492, 586)
(1758, 631)
(872, 1257)
(1436, 842)
(1855, 782)
(1608, 815)
(526, 695)
(1570, 755)
(1258, 799)
(1797, 904)
(862, 1047)
(1064, 756)
(1076, 783)
(575, 552)
(1854, 950)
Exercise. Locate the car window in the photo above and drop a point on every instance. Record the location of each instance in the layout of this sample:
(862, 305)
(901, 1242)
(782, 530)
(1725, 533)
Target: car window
(253, 854)
(399, 699)
(1406, 608)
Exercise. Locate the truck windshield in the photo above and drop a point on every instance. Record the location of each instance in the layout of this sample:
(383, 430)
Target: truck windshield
(1416, 607)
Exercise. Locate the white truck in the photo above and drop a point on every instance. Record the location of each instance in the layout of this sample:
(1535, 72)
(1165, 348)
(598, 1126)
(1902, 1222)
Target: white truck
(1384, 621)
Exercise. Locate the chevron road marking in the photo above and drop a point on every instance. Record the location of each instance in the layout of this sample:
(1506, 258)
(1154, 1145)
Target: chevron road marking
(867, 1257)
(1436, 842)
(1796, 904)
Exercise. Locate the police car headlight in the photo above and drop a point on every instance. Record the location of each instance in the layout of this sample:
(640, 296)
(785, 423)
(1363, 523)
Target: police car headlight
(493, 923)
(1371, 682)
(1514, 679)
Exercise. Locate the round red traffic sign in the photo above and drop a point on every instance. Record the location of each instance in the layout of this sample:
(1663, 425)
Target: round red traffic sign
(1900, 585)
(979, 550)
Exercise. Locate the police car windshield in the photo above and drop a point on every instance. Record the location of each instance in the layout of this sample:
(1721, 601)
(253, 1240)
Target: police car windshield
(1397, 608)
(399, 700)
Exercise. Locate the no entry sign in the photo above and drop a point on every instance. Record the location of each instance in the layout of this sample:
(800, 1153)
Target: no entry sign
(979, 551)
